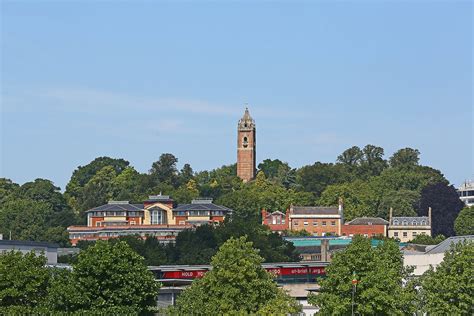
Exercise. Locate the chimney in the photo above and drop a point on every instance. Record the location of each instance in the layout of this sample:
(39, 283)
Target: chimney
(341, 205)
(390, 217)
(429, 214)
(264, 215)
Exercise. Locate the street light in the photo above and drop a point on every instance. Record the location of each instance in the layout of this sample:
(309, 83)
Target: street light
(354, 288)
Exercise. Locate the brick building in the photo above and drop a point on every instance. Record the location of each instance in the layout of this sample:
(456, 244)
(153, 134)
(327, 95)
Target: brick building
(246, 147)
(317, 220)
(365, 226)
(158, 216)
(277, 221)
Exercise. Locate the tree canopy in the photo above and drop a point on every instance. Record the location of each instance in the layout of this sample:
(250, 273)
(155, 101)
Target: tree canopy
(379, 274)
(237, 283)
(464, 223)
(450, 289)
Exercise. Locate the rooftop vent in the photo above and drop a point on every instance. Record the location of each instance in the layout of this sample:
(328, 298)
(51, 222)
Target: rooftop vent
(119, 202)
(202, 201)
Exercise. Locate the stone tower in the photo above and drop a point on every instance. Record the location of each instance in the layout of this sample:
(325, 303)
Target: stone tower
(246, 147)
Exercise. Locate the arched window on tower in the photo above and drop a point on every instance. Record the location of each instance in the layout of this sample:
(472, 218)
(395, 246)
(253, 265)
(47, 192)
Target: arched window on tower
(245, 141)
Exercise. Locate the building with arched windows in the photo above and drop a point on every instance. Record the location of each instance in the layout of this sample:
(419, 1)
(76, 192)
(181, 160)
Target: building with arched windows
(158, 216)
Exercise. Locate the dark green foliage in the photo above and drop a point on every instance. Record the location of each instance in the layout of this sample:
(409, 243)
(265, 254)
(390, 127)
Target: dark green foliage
(445, 204)
(105, 276)
(236, 284)
(406, 157)
(450, 289)
(315, 178)
(379, 272)
(23, 279)
(164, 170)
(427, 240)
(464, 223)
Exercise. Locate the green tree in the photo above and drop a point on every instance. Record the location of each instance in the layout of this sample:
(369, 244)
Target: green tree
(464, 223)
(427, 240)
(98, 190)
(405, 157)
(7, 187)
(445, 207)
(186, 173)
(23, 279)
(106, 275)
(83, 174)
(379, 273)
(372, 162)
(315, 178)
(450, 289)
(164, 170)
(351, 157)
(236, 284)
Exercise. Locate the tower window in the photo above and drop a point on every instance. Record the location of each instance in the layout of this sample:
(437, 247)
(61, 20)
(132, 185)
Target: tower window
(245, 142)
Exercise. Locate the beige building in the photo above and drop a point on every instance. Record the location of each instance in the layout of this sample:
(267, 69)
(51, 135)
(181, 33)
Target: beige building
(407, 228)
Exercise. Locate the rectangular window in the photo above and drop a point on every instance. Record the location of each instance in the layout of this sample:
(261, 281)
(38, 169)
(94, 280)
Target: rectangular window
(295, 223)
(324, 223)
(274, 220)
(413, 234)
(315, 223)
(133, 223)
(405, 234)
(395, 234)
(305, 223)
(333, 223)
(98, 224)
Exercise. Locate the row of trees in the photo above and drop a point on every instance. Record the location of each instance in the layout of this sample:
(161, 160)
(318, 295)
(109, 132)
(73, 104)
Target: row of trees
(374, 281)
(108, 278)
(369, 184)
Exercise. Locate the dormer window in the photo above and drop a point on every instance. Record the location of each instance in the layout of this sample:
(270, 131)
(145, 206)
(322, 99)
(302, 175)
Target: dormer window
(414, 223)
(404, 223)
(395, 222)
(423, 223)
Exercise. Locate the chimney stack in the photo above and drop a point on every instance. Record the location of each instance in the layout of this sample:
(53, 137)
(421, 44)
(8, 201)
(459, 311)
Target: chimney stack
(341, 204)
(429, 214)
(391, 214)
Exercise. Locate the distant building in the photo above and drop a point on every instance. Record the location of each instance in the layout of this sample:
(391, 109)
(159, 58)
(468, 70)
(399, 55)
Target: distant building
(246, 147)
(431, 255)
(407, 228)
(466, 193)
(49, 250)
(365, 226)
(156, 217)
(277, 221)
(317, 220)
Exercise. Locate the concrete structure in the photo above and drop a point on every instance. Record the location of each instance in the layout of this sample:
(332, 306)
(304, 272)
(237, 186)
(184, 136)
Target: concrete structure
(407, 228)
(421, 257)
(156, 217)
(49, 250)
(365, 226)
(466, 193)
(317, 220)
(246, 147)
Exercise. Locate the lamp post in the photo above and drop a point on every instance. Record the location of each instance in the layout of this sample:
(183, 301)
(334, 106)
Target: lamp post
(354, 288)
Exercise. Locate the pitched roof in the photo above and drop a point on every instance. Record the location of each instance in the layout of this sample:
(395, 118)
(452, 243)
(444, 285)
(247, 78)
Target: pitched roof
(275, 213)
(445, 245)
(201, 207)
(367, 221)
(313, 210)
(411, 221)
(118, 207)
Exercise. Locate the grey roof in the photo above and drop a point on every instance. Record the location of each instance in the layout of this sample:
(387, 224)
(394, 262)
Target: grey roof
(201, 207)
(312, 210)
(275, 213)
(118, 207)
(28, 243)
(445, 245)
(411, 221)
(367, 221)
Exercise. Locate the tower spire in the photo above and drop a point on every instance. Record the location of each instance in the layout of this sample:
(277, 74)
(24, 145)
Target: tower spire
(246, 147)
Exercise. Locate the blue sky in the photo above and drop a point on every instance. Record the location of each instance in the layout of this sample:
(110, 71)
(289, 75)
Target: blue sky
(133, 79)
